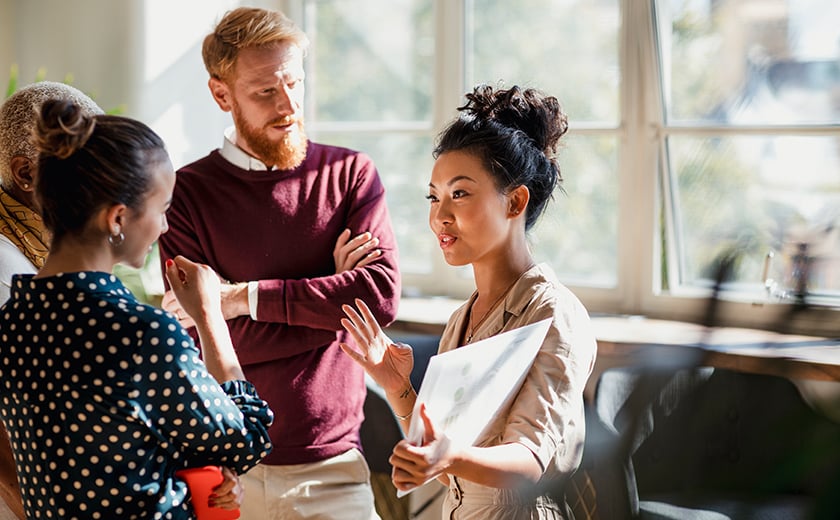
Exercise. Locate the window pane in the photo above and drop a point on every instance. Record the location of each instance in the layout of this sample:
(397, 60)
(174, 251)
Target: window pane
(405, 165)
(751, 61)
(758, 194)
(370, 61)
(578, 233)
(566, 48)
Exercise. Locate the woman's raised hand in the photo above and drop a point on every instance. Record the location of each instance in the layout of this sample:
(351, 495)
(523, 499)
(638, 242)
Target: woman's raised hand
(386, 362)
(196, 288)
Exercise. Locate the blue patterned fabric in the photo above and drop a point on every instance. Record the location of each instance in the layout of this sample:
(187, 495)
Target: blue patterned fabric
(105, 398)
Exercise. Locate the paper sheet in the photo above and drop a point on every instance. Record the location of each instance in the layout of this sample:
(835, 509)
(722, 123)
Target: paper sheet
(463, 389)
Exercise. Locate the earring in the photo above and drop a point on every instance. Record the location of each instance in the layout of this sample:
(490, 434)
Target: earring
(26, 185)
(116, 238)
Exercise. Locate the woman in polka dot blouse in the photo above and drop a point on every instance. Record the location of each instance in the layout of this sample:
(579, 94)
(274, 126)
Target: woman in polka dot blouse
(106, 398)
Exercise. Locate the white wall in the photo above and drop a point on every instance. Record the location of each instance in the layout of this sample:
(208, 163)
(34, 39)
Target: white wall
(6, 16)
(143, 55)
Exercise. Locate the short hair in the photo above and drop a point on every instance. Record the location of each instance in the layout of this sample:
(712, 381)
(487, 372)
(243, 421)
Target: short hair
(19, 114)
(515, 134)
(247, 27)
(88, 162)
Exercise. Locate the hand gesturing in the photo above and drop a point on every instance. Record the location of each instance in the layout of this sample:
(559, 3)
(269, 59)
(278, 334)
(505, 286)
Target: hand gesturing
(387, 363)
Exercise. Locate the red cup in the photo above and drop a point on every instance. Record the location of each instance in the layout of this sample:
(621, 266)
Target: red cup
(201, 482)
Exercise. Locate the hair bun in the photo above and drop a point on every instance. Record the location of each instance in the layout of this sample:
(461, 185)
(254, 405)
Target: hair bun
(62, 128)
(539, 116)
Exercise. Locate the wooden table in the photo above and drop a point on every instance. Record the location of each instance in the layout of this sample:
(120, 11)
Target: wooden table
(746, 350)
(635, 340)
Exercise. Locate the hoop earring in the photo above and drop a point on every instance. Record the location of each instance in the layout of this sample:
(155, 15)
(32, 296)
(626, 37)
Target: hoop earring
(116, 239)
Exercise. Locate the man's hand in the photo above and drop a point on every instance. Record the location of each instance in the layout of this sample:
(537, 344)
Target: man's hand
(358, 252)
(233, 298)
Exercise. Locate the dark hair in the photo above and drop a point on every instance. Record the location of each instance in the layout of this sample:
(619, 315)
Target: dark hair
(89, 162)
(514, 133)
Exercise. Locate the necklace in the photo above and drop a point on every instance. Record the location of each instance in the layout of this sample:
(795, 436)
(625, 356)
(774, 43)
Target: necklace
(470, 327)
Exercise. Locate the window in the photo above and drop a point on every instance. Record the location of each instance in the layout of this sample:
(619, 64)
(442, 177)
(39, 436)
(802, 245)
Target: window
(751, 99)
(700, 129)
(749, 135)
(370, 86)
(568, 49)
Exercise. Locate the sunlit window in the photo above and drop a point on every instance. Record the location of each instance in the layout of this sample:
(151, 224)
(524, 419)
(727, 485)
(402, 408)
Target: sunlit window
(751, 95)
(568, 49)
(369, 86)
(699, 130)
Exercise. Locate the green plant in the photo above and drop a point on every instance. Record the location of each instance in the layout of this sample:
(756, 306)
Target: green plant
(41, 75)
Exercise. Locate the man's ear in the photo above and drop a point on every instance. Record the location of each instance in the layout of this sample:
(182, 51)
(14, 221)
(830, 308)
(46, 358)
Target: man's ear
(23, 172)
(221, 93)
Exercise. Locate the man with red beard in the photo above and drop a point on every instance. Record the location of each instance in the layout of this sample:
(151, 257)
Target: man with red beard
(274, 213)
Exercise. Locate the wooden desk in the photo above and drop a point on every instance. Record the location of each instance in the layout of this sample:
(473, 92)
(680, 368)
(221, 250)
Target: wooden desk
(746, 350)
(635, 340)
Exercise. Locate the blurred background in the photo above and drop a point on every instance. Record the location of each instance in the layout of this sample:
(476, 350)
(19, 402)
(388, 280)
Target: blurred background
(699, 128)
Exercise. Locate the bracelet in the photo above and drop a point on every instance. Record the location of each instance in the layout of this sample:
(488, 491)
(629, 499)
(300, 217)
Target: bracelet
(403, 417)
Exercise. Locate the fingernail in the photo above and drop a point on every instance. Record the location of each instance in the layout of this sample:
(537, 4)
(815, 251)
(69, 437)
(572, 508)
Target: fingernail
(169, 262)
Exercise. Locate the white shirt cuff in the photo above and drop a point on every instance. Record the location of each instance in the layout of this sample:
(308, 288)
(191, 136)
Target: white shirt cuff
(253, 290)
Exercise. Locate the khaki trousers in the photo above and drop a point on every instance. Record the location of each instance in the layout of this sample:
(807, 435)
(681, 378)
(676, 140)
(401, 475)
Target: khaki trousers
(334, 489)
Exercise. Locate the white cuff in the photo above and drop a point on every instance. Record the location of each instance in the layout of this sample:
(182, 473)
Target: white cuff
(253, 291)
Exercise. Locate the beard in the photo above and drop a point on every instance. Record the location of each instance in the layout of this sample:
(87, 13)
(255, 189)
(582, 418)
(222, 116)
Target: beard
(285, 153)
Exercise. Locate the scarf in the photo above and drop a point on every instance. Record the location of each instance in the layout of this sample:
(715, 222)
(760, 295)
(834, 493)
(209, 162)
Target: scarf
(24, 228)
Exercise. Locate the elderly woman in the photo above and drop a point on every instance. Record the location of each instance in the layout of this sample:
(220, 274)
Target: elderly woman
(23, 240)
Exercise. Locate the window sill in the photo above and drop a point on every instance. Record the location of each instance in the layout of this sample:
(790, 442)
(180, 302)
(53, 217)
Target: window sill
(637, 340)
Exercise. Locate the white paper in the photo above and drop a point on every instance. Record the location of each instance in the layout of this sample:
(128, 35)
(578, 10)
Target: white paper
(465, 388)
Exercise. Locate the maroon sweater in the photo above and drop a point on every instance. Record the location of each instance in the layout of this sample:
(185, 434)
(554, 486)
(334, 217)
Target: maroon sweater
(280, 228)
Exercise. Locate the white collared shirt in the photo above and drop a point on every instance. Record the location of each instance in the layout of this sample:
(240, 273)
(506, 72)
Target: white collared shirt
(237, 156)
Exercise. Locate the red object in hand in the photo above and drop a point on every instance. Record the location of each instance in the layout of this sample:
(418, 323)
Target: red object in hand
(201, 482)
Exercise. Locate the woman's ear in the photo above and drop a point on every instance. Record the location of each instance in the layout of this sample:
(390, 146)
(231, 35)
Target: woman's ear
(23, 172)
(518, 200)
(112, 219)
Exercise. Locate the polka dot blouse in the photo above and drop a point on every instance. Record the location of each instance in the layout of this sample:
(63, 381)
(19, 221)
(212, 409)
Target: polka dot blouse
(104, 398)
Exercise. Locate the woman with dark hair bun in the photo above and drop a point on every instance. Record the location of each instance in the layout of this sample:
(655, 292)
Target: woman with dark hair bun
(493, 176)
(105, 398)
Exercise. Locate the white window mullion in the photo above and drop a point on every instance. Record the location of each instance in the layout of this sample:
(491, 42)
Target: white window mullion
(638, 232)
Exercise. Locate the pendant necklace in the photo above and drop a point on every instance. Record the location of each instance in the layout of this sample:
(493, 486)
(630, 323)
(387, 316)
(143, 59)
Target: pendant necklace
(470, 327)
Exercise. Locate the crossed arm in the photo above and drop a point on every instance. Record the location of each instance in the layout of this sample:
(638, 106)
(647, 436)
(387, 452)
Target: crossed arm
(348, 254)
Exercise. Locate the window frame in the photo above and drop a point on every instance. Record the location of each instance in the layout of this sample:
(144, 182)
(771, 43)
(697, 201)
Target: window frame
(642, 133)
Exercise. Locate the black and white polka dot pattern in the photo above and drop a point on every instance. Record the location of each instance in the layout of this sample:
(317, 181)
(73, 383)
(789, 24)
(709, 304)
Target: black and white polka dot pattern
(105, 398)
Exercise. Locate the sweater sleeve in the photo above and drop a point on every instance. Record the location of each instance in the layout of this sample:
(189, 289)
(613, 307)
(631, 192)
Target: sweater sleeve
(316, 302)
(205, 423)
